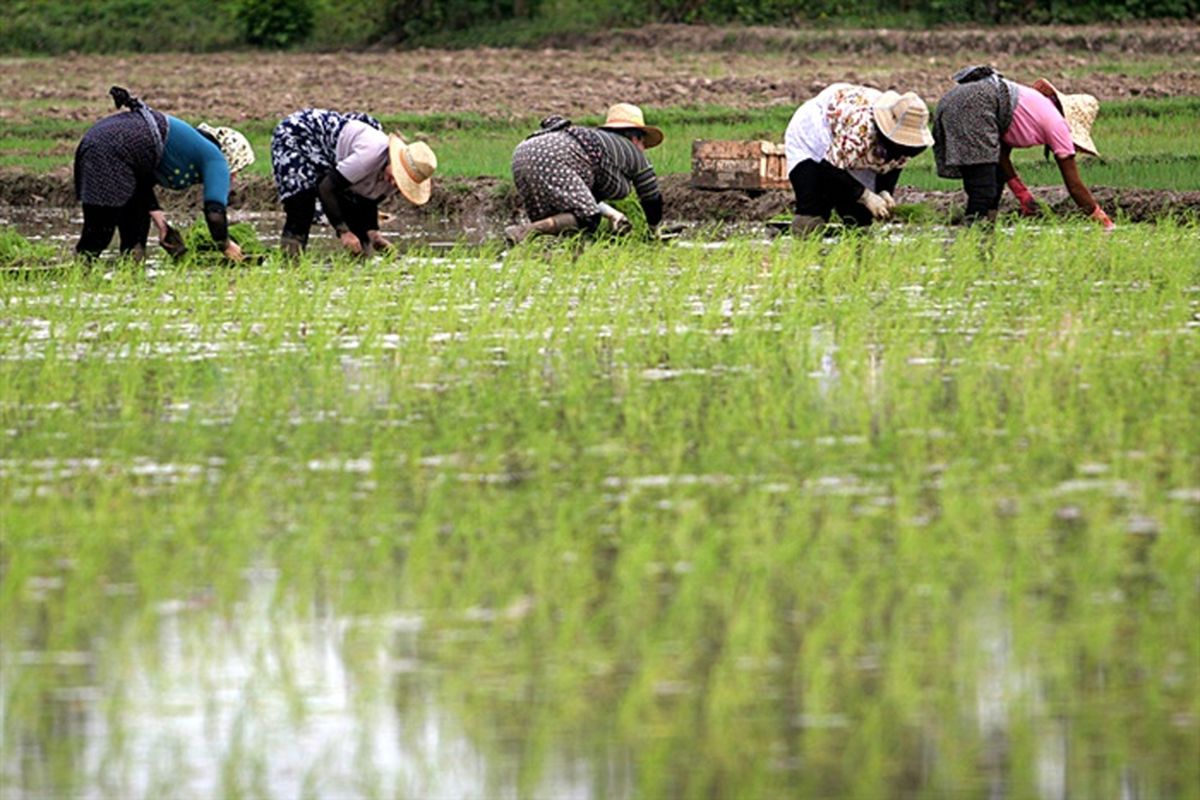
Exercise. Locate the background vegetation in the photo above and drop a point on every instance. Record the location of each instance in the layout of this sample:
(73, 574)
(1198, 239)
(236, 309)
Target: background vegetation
(58, 26)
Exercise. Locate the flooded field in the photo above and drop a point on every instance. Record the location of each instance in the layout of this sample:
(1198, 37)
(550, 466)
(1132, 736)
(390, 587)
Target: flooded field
(904, 515)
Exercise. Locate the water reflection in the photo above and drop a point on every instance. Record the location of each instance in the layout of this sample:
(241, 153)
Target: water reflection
(272, 703)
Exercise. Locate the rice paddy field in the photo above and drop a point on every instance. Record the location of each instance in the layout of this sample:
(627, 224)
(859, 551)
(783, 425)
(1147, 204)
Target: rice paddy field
(906, 513)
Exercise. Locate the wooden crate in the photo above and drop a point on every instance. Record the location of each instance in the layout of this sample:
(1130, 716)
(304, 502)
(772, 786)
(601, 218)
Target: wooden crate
(754, 165)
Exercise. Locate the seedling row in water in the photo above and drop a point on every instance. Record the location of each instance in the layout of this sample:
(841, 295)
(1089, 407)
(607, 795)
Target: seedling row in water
(818, 516)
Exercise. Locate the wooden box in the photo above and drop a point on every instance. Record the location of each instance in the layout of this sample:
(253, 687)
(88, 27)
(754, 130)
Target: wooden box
(753, 165)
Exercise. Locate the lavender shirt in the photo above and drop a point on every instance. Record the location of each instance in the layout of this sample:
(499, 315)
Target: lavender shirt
(362, 157)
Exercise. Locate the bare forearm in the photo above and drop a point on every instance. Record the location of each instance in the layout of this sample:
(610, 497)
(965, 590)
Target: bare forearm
(1075, 186)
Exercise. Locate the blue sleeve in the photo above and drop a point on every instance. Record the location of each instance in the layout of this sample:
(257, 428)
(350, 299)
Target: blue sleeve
(190, 158)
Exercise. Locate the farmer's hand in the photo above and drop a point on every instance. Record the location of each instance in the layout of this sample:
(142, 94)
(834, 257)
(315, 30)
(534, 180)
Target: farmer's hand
(233, 251)
(889, 200)
(160, 222)
(621, 224)
(350, 241)
(1104, 220)
(875, 204)
(665, 232)
(378, 240)
(1029, 206)
(172, 242)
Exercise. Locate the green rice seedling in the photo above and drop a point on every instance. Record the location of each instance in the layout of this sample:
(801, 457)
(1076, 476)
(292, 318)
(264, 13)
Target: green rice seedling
(709, 518)
(18, 252)
(201, 249)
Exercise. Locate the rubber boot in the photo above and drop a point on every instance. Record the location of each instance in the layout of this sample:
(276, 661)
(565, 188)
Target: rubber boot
(803, 224)
(559, 223)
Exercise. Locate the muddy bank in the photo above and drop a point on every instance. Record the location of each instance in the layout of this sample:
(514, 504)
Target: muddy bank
(488, 204)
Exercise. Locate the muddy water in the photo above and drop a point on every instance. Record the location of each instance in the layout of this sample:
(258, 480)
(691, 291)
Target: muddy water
(278, 695)
(60, 227)
(315, 703)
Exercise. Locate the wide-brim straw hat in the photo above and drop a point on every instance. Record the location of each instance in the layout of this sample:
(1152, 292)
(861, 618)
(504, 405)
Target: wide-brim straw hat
(413, 166)
(234, 146)
(903, 118)
(627, 115)
(1080, 111)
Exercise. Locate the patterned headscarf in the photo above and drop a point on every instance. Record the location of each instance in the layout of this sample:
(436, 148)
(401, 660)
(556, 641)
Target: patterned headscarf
(233, 144)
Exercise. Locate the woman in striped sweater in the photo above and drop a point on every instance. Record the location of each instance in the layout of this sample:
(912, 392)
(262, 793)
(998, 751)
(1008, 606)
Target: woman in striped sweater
(565, 172)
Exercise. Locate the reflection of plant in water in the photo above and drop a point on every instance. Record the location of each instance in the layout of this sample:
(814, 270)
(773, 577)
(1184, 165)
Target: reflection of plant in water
(639, 522)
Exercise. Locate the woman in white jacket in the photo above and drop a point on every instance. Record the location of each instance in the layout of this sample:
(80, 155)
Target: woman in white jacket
(845, 149)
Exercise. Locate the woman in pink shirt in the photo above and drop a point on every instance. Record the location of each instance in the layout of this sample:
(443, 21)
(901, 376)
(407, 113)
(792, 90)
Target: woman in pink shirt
(984, 116)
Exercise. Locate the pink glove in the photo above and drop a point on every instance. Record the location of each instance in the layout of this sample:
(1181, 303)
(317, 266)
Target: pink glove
(1029, 206)
(1103, 219)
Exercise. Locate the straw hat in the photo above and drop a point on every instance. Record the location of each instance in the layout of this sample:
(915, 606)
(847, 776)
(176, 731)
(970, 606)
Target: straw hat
(234, 146)
(1080, 112)
(627, 115)
(903, 118)
(413, 166)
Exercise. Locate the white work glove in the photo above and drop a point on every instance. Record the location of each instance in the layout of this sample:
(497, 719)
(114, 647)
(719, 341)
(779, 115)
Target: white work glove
(620, 223)
(889, 200)
(875, 204)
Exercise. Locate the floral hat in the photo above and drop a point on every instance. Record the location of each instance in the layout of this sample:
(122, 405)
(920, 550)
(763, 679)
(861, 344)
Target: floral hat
(234, 146)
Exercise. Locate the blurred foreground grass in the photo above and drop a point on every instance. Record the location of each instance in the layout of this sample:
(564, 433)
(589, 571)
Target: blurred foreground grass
(825, 518)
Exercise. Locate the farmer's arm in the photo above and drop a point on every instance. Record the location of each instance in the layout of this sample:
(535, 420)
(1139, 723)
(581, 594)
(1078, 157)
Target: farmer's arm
(886, 182)
(1079, 193)
(1006, 164)
(371, 221)
(839, 182)
(1029, 206)
(329, 189)
(645, 183)
(214, 171)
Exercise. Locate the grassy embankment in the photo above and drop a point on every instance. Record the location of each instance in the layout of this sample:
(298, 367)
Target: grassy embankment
(760, 520)
(1145, 143)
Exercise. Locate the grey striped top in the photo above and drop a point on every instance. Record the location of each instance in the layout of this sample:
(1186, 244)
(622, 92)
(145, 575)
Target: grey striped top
(620, 168)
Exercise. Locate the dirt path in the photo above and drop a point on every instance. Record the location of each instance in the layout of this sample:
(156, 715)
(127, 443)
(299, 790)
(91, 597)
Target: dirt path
(657, 66)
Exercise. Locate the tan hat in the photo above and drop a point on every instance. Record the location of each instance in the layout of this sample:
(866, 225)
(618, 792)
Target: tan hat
(1080, 111)
(234, 146)
(413, 166)
(627, 115)
(903, 118)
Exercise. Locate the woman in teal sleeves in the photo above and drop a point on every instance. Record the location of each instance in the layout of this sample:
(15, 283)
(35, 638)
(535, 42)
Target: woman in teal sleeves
(124, 156)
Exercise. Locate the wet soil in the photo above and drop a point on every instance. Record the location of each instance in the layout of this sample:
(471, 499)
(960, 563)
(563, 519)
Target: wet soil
(656, 66)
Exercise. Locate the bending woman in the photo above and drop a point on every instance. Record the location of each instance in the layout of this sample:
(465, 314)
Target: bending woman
(984, 116)
(349, 164)
(845, 149)
(565, 172)
(122, 157)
